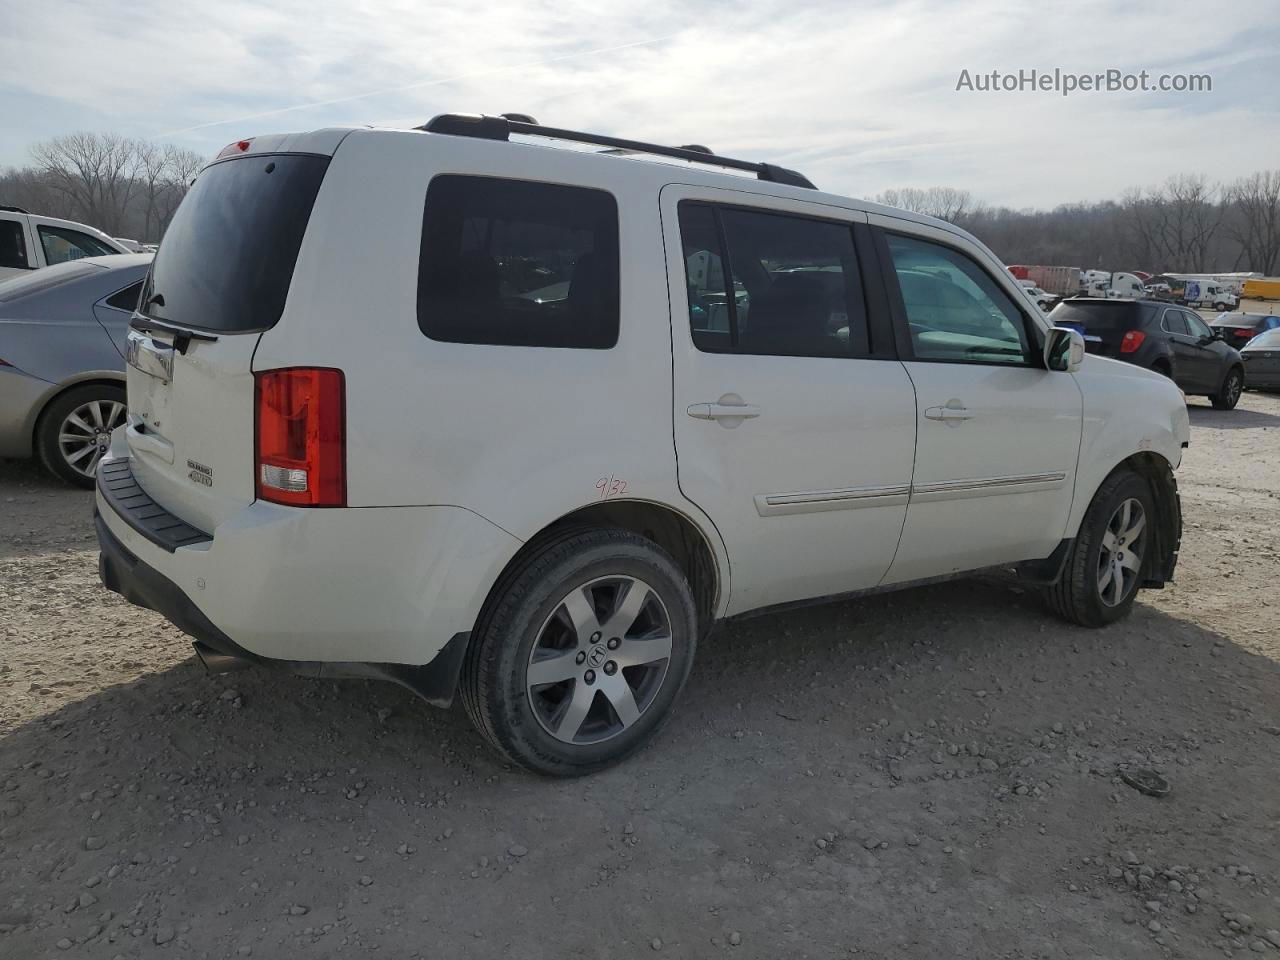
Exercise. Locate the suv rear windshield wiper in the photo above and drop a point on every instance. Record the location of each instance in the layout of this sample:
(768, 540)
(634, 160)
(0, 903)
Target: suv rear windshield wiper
(181, 337)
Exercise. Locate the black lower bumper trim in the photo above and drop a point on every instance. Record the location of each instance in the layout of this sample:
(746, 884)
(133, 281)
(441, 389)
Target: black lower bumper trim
(124, 573)
(132, 504)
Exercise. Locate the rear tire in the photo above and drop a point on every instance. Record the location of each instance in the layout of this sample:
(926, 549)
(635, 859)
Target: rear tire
(1088, 592)
(580, 652)
(74, 431)
(1228, 394)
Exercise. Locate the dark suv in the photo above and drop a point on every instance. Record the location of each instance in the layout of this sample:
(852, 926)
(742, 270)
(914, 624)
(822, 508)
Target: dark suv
(1162, 337)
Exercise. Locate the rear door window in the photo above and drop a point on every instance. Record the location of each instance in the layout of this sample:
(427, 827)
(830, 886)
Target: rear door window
(61, 244)
(13, 245)
(1196, 326)
(1175, 322)
(518, 263)
(227, 258)
(767, 283)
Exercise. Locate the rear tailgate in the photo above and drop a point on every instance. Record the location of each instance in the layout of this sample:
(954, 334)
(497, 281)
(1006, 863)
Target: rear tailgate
(1236, 336)
(1102, 323)
(220, 278)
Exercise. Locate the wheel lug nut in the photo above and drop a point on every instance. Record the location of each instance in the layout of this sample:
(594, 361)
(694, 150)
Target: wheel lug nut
(589, 676)
(614, 643)
(595, 637)
(581, 658)
(610, 668)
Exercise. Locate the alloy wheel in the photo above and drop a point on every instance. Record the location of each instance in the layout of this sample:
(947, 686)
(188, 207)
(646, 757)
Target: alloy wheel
(1233, 388)
(85, 434)
(599, 660)
(1120, 559)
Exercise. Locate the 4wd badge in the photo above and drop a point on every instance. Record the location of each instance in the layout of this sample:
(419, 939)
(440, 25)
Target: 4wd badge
(199, 473)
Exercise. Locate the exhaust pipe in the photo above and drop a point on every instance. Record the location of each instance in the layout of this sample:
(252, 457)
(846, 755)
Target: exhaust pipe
(217, 662)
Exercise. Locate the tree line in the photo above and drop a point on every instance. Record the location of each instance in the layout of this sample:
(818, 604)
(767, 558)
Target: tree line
(1187, 224)
(124, 186)
(130, 188)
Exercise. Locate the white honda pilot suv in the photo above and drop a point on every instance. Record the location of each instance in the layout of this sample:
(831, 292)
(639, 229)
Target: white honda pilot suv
(516, 412)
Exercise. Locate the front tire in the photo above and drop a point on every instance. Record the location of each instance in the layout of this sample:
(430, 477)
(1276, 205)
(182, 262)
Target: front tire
(1228, 394)
(581, 652)
(1110, 555)
(74, 431)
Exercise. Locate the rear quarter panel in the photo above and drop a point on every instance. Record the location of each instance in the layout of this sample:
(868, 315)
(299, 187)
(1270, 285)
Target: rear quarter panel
(521, 436)
(1127, 410)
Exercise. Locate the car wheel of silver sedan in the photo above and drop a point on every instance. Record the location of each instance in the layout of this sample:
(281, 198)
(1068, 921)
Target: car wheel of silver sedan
(74, 432)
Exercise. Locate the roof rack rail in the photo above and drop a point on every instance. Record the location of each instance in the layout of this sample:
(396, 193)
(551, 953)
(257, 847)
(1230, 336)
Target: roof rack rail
(12, 209)
(501, 128)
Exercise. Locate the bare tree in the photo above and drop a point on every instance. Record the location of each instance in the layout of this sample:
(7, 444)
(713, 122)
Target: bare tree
(945, 203)
(96, 172)
(1190, 216)
(180, 168)
(123, 186)
(1255, 220)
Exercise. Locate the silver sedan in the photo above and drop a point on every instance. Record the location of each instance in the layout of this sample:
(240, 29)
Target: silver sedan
(62, 340)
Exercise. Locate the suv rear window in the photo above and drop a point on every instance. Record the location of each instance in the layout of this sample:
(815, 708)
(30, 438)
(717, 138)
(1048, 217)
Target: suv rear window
(1097, 316)
(227, 259)
(518, 263)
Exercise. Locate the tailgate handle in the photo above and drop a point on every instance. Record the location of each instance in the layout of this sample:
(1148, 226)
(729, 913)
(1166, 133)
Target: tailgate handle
(147, 356)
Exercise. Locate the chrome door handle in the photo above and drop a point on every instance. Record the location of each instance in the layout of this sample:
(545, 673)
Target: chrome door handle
(948, 413)
(723, 411)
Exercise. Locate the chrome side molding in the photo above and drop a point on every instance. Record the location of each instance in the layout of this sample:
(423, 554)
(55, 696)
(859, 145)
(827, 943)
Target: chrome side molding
(854, 498)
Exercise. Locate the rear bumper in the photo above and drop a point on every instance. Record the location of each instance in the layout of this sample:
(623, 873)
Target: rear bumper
(125, 574)
(1256, 378)
(365, 592)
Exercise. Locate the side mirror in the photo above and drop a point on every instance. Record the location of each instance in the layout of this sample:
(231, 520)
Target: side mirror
(1063, 350)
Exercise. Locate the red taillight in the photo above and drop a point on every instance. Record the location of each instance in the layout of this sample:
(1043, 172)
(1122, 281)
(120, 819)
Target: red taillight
(301, 437)
(1132, 341)
(231, 149)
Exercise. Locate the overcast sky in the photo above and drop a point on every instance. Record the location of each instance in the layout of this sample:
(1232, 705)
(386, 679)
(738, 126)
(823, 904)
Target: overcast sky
(860, 98)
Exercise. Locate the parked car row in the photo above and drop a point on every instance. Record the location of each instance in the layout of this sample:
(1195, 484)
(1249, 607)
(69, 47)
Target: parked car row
(1202, 358)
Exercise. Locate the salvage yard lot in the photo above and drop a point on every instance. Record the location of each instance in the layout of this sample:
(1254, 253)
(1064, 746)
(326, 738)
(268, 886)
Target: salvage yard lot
(928, 773)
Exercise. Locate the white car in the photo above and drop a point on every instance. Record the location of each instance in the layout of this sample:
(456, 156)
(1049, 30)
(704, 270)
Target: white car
(29, 241)
(356, 445)
(1042, 299)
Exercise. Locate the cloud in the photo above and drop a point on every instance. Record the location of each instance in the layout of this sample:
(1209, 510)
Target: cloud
(860, 97)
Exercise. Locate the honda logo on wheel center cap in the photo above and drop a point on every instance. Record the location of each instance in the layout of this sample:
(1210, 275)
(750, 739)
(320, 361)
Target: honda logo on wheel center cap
(597, 655)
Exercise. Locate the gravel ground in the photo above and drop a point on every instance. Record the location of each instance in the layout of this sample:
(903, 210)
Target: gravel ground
(924, 774)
